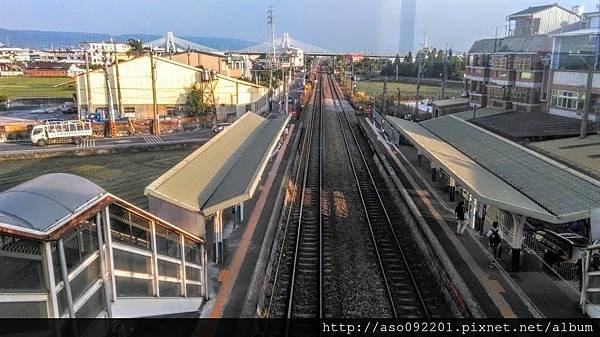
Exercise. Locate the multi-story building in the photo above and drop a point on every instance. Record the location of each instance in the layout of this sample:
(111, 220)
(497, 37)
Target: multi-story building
(98, 52)
(574, 56)
(511, 72)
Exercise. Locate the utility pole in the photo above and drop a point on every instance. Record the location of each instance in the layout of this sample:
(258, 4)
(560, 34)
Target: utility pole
(119, 98)
(419, 71)
(445, 75)
(397, 71)
(112, 127)
(398, 105)
(88, 85)
(271, 23)
(383, 103)
(155, 120)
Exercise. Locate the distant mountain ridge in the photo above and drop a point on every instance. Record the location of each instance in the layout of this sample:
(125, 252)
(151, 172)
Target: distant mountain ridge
(38, 39)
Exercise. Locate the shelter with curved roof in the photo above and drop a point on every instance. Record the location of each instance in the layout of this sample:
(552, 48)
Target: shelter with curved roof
(68, 248)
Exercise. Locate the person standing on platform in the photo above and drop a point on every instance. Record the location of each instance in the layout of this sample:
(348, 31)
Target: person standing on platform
(494, 236)
(460, 218)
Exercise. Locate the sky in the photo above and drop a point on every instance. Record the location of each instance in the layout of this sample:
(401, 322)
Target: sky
(370, 26)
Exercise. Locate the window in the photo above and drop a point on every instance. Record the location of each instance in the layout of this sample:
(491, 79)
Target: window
(20, 265)
(192, 252)
(193, 274)
(132, 262)
(168, 243)
(169, 289)
(499, 62)
(193, 290)
(133, 287)
(567, 99)
(93, 306)
(80, 244)
(85, 279)
(23, 310)
(168, 269)
(526, 62)
(526, 75)
(129, 228)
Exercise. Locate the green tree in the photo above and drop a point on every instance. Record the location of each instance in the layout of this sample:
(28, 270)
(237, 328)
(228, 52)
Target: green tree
(195, 103)
(137, 46)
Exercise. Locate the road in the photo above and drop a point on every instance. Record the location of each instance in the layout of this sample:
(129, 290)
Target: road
(26, 146)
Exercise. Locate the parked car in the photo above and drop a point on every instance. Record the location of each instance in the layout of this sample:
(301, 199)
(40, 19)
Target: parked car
(220, 127)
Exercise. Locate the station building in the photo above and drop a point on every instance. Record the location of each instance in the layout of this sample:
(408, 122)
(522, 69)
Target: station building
(70, 249)
(147, 81)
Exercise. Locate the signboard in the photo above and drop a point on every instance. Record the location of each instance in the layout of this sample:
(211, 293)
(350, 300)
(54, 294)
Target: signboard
(129, 115)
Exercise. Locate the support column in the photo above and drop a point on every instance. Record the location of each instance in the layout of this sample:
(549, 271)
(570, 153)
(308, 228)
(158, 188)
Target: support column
(241, 211)
(218, 237)
(517, 241)
(434, 173)
(102, 257)
(419, 157)
(65, 277)
(452, 188)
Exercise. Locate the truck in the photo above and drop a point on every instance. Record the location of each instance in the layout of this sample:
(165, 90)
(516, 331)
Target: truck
(61, 132)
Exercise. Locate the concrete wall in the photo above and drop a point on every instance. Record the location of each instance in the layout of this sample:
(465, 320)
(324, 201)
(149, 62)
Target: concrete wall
(189, 221)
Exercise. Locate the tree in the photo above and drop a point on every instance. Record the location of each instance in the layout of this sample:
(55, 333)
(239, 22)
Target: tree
(195, 102)
(137, 46)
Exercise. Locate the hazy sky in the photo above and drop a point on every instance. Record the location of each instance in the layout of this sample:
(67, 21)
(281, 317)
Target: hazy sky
(357, 25)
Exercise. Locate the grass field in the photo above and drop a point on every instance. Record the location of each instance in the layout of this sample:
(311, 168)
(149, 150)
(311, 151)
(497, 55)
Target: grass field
(124, 175)
(406, 89)
(35, 87)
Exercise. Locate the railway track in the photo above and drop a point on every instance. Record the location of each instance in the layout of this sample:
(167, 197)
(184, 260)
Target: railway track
(403, 291)
(304, 259)
(297, 290)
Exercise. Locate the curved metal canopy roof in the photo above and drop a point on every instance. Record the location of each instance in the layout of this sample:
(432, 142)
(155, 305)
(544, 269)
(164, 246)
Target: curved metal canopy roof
(43, 202)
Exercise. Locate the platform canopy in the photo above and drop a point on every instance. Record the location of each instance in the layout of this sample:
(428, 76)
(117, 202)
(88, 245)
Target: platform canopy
(40, 204)
(501, 173)
(226, 170)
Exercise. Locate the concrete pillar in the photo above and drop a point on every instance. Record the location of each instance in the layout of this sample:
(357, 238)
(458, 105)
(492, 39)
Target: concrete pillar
(218, 237)
(452, 188)
(242, 211)
(516, 242)
(419, 157)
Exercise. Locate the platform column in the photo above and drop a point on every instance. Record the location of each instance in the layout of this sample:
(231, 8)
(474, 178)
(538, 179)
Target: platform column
(218, 237)
(241, 212)
(434, 172)
(419, 157)
(516, 242)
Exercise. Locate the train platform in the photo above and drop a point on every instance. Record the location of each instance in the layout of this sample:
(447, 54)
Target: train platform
(231, 281)
(497, 293)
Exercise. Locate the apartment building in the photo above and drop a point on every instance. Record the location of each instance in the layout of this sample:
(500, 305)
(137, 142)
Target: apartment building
(574, 55)
(511, 72)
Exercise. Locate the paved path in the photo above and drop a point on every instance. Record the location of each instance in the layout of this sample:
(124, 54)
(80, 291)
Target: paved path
(25, 146)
